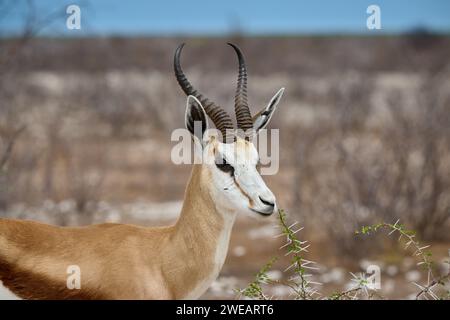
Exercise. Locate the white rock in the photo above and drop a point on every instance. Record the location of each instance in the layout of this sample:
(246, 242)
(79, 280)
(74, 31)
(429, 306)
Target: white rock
(280, 291)
(267, 231)
(239, 251)
(391, 270)
(335, 275)
(275, 274)
(413, 276)
(388, 286)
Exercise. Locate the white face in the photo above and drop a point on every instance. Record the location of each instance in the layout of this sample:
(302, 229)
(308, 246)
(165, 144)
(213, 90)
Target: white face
(236, 184)
(231, 168)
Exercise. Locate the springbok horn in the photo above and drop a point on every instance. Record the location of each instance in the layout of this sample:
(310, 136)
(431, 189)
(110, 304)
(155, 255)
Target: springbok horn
(243, 115)
(221, 119)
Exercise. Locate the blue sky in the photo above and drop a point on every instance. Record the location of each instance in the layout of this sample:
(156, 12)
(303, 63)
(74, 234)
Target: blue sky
(209, 17)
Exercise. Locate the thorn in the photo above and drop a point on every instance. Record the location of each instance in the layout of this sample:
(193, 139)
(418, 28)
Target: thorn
(408, 244)
(420, 287)
(289, 267)
(310, 268)
(304, 248)
(395, 224)
(285, 245)
(295, 223)
(278, 235)
(309, 261)
(432, 294)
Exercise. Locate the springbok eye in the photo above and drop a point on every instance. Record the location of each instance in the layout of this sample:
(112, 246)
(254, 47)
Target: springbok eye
(224, 166)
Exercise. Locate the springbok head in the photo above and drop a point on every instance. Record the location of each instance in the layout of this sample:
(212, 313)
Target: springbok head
(230, 161)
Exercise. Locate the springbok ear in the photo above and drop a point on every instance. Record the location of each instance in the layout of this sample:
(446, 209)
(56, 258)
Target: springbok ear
(262, 118)
(195, 118)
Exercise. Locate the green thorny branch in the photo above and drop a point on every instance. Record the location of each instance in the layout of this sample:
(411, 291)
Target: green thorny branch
(299, 282)
(254, 289)
(304, 289)
(362, 289)
(426, 290)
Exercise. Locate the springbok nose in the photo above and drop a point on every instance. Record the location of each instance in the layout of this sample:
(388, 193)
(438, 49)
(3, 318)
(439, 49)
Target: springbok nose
(266, 202)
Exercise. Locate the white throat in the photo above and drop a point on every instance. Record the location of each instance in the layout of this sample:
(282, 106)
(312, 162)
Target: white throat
(223, 242)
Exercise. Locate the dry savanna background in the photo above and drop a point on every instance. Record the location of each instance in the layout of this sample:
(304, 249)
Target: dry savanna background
(85, 128)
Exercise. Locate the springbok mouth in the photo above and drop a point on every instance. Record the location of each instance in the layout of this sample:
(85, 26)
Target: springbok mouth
(265, 214)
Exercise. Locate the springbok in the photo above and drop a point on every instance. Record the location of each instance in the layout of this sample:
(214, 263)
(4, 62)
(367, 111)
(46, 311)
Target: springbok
(120, 261)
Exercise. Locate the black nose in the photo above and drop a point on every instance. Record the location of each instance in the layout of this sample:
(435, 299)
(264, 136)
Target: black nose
(267, 203)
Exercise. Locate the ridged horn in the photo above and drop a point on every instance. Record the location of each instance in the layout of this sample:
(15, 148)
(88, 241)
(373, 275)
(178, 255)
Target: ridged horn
(221, 119)
(243, 115)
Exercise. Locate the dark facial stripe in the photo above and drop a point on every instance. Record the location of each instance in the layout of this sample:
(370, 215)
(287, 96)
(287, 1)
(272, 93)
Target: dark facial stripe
(243, 192)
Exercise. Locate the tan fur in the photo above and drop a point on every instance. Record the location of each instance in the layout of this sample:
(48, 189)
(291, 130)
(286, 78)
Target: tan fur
(117, 261)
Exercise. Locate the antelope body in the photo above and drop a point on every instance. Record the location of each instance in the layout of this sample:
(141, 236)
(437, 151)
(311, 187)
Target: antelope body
(119, 261)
